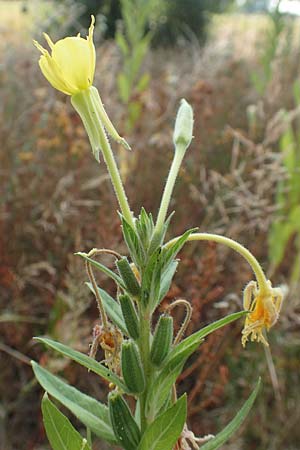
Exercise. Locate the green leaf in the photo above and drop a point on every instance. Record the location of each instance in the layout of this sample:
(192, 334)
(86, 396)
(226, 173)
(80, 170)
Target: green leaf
(89, 411)
(60, 432)
(134, 244)
(103, 269)
(112, 308)
(228, 431)
(166, 279)
(124, 87)
(201, 334)
(121, 42)
(165, 430)
(171, 252)
(151, 279)
(143, 82)
(162, 384)
(84, 360)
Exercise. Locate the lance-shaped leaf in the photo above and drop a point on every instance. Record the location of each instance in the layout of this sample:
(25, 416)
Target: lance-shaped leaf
(230, 429)
(60, 432)
(164, 431)
(84, 360)
(161, 385)
(103, 269)
(172, 251)
(112, 308)
(201, 334)
(134, 244)
(89, 411)
(166, 280)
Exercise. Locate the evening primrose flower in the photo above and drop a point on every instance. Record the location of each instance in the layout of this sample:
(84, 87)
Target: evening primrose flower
(70, 67)
(264, 308)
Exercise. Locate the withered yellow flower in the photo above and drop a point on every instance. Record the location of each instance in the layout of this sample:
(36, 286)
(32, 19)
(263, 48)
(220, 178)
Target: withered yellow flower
(70, 67)
(264, 307)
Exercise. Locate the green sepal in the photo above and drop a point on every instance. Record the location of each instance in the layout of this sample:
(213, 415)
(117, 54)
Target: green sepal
(124, 425)
(132, 369)
(83, 104)
(162, 340)
(130, 316)
(127, 274)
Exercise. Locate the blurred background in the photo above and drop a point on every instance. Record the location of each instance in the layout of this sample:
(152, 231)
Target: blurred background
(238, 64)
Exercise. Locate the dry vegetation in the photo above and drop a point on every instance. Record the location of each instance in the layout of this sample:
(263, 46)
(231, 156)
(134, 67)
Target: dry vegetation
(56, 200)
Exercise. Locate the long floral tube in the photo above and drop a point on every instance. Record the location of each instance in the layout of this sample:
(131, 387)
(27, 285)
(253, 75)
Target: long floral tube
(259, 298)
(260, 276)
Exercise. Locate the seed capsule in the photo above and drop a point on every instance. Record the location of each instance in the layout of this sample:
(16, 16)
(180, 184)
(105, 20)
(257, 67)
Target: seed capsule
(162, 340)
(130, 316)
(124, 425)
(128, 277)
(132, 369)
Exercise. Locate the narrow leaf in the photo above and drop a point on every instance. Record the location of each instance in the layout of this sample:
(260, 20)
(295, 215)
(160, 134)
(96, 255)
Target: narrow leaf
(165, 430)
(166, 279)
(84, 360)
(112, 308)
(103, 269)
(60, 432)
(171, 252)
(89, 411)
(201, 334)
(228, 431)
(162, 384)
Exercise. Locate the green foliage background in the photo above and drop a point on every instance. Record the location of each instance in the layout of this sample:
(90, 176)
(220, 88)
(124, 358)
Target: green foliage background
(172, 18)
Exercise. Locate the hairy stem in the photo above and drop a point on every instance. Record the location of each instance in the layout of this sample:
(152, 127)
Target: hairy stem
(260, 276)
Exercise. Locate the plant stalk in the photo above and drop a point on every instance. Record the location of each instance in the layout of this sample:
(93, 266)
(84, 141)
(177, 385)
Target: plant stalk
(165, 201)
(256, 267)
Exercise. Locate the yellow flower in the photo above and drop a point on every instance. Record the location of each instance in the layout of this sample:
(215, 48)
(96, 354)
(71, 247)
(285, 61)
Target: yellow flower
(71, 66)
(264, 308)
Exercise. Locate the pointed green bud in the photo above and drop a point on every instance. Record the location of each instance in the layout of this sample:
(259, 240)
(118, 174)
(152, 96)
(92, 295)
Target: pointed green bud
(124, 425)
(132, 369)
(130, 316)
(183, 131)
(128, 277)
(162, 340)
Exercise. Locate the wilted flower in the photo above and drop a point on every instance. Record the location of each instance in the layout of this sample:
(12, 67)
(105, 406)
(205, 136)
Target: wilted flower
(264, 307)
(71, 66)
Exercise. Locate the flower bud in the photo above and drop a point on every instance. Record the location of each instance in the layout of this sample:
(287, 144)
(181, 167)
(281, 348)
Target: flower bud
(128, 277)
(130, 316)
(162, 340)
(132, 369)
(125, 427)
(183, 131)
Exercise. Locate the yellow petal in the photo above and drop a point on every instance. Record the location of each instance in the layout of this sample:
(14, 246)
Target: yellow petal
(49, 41)
(51, 72)
(73, 57)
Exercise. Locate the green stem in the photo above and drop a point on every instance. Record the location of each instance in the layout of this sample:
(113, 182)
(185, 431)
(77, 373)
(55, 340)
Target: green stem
(115, 176)
(144, 346)
(87, 105)
(89, 436)
(165, 201)
(260, 276)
